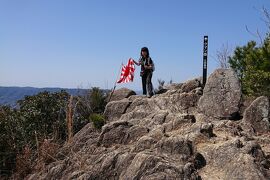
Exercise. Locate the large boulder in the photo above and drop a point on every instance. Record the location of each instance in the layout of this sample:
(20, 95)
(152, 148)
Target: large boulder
(175, 145)
(120, 132)
(178, 103)
(187, 86)
(258, 115)
(221, 95)
(234, 159)
(121, 94)
(115, 109)
(149, 166)
(191, 85)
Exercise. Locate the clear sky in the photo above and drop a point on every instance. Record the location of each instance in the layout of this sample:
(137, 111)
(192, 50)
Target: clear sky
(82, 43)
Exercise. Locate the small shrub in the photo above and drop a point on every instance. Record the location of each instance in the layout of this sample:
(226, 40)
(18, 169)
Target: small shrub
(98, 120)
(161, 84)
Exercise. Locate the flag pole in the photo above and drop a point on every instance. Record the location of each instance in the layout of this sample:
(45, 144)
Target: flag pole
(115, 83)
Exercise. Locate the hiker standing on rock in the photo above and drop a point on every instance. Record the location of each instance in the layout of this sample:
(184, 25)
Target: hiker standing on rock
(147, 68)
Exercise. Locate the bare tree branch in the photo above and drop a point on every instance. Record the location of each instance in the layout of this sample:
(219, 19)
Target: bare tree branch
(265, 19)
(253, 34)
(259, 35)
(222, 56)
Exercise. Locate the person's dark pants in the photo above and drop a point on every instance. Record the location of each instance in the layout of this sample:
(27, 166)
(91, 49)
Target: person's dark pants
(147, 83)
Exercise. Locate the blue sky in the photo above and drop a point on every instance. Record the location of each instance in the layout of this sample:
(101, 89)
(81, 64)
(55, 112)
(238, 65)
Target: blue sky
(82, 43)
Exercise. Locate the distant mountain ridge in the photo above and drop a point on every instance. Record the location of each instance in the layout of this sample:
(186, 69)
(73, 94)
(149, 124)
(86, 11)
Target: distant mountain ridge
(10, 95)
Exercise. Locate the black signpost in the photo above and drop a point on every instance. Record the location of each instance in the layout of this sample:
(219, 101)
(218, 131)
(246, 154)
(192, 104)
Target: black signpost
(205, 53)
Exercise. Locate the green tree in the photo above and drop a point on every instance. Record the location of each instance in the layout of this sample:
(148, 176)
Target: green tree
(44, 115)
(93, 102)
(252, 65)
(97, 100)
(11, 139)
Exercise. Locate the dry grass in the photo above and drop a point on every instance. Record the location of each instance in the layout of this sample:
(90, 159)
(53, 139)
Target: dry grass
(47, 152)
(70, 119)
(23, 163)
(79, 160)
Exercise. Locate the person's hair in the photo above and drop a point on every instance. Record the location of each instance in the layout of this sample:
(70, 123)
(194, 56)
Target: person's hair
(145, 49)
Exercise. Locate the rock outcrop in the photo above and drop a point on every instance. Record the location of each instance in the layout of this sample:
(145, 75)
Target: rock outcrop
(122, 93)
(258, 115)
(221, 95)
(168, 137)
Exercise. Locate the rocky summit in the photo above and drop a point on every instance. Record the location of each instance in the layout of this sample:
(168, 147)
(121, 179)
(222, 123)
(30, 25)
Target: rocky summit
(185, 132)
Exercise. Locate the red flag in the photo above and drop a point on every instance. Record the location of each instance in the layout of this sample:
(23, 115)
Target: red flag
(127, 73)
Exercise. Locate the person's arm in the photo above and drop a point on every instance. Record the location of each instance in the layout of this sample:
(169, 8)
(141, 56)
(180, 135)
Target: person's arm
(137, 63)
